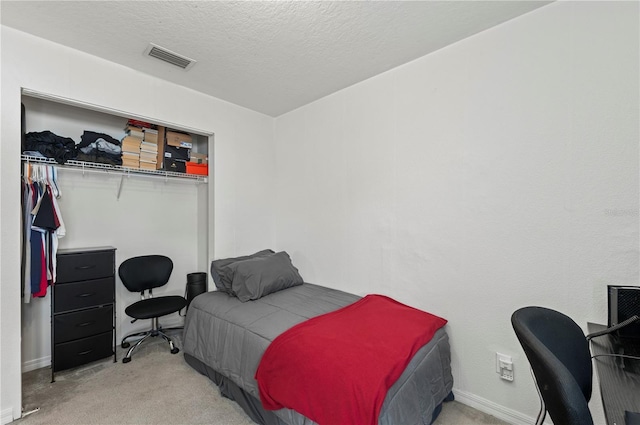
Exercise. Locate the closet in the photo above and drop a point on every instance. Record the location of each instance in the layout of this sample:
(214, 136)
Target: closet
(136, 213)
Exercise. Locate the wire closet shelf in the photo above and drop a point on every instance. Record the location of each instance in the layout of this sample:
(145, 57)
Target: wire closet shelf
(115, 169)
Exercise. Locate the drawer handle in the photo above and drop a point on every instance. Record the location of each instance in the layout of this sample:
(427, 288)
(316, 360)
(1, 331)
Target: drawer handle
(82, 325)
(88, 294)
(85, 267)
(84, 353)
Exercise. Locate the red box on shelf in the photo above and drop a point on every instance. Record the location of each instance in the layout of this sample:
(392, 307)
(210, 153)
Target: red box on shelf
(201, 169)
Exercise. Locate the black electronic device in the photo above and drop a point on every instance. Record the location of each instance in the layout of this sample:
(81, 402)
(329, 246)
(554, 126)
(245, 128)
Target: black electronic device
(631, 418)
(624, 304)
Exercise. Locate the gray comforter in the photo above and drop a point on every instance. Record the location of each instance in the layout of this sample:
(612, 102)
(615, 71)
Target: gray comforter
(230, 337)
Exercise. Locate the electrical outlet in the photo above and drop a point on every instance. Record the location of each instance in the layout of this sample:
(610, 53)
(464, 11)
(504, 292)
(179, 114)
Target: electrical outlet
(504, 366)
(507, 375)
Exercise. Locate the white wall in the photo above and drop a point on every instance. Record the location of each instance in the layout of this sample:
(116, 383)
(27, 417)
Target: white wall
(240, 209)
(499, 172)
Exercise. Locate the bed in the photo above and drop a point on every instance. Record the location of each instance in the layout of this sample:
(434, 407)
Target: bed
(225, 337)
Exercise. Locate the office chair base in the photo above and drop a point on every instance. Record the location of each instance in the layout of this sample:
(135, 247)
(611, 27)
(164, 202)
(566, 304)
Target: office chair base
(125, 343)
(155, 331)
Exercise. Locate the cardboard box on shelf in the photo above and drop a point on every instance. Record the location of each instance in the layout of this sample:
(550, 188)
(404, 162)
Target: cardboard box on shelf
(175, 166)
(150, 136)
(199, 158)
(146, 165)
(175, 152)
(201, 169)
(175, 138)
(131, 144)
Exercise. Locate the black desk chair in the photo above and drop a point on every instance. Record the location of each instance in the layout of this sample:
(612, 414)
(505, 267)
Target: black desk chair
(140, 274)
(560, 359)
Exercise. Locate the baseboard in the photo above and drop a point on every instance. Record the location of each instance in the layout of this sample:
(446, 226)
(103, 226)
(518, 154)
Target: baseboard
(6, 416)
(34, 364)
(489, 407)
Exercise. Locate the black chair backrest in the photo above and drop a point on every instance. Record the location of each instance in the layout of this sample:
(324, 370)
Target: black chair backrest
(561, 361)
(139, 274)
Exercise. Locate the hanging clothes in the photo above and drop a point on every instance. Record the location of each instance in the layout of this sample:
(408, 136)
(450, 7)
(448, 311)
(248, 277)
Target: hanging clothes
(43, 226)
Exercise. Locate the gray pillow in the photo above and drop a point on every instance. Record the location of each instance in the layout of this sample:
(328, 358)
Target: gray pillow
(223, 276)
(260, 276)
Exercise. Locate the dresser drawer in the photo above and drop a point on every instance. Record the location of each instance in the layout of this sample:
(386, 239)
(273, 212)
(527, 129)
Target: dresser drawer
(70, 326)
(73, 296)
(84, 266)
(82, 351)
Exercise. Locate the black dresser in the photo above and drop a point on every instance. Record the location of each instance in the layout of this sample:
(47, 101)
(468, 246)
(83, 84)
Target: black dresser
(83, 307)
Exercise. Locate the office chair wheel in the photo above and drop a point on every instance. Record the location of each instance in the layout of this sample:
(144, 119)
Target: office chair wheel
(125, 345)
(126, 359)
(175, 350)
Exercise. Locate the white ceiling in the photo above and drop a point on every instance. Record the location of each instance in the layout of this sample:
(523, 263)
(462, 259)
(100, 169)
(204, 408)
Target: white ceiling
(268, 56)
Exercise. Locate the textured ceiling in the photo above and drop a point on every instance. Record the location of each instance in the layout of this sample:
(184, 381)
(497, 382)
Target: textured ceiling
(269, 56)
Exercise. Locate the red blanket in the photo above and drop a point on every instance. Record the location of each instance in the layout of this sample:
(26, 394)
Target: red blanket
(337, 368)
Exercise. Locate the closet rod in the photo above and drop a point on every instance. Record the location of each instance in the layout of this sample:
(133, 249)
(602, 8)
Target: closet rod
(93, 167)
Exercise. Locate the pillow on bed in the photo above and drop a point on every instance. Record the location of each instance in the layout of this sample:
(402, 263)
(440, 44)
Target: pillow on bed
(260, 276)
(223, 276)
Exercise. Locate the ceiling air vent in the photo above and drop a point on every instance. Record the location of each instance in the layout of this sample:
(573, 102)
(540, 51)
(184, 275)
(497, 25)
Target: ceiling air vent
(168, 56)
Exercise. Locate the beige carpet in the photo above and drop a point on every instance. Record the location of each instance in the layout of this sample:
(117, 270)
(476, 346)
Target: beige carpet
(156, 387)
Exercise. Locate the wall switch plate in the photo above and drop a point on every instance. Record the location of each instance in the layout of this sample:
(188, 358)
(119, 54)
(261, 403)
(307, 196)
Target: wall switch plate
(504, 366)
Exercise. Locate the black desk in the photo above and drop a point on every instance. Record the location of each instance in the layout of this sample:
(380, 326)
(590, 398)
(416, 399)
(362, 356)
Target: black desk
(619, 377)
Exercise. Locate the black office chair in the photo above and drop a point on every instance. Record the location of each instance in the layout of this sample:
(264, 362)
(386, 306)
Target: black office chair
(560, 360)
(140, 274)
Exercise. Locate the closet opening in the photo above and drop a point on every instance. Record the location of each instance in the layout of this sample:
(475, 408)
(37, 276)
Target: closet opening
(136, 211)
